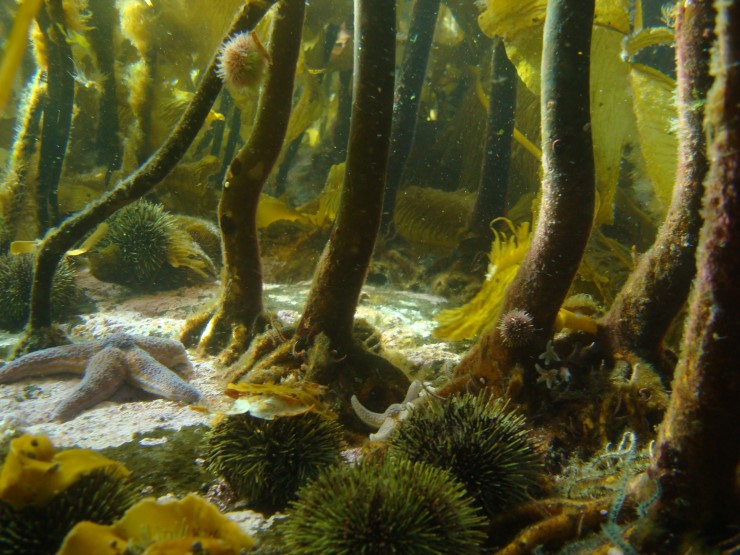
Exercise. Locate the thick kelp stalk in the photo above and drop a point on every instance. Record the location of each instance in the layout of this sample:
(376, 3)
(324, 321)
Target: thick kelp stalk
(407, 97)
(57, 111)
(240, 311)
(698, 447)
(491, 200)
(59, 240)
(331, 304)
(659, 286)
(568, 192)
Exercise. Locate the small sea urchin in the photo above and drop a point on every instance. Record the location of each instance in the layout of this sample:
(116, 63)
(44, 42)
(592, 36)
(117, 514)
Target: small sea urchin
(242, 61)
(481, 443)
(266, 461)
(373, 509)
(516, 328)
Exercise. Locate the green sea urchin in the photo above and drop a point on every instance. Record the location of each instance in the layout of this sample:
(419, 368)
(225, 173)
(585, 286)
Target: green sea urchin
(481, 442)
(16, 277)
(266, 461)
(397, 507)
(146, 248)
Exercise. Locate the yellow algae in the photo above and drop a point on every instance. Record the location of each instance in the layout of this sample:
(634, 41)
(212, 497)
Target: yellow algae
(654, 97)
(329, 198)
(160, 528)
(268, 401)
(34, 472)
(574, 321)
(15, 46)
(507, 254)
(271, 210)
(432, 217)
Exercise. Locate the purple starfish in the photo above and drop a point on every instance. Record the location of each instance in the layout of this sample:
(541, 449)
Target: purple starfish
(145, 362)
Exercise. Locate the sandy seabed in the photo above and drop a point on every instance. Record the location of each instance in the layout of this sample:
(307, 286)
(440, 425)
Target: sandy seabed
(403, 319)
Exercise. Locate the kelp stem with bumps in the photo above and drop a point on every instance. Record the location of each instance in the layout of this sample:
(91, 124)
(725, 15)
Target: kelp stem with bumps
(659, 286)
(698, 445)
(240, 309)
(57, 111)
(59, 240)
(568, 194)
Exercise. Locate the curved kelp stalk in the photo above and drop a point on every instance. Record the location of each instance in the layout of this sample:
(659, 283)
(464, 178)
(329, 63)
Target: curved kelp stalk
(323, 348)
(659, 286)
(565, 216)
(698, 445)
(239, 314)
(58, 241)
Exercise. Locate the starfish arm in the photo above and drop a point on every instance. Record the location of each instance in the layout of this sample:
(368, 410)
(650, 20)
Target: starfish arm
(56, 360)
(169, 352)
(145, 372)
(413, 392)
(373, 419)
(105, 373)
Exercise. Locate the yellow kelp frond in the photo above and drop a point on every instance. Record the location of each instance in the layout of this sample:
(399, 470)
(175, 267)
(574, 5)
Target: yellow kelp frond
(470, 320)
(652, 36)
(574, 321)
(654, 97)
(605, 264)
(271, 209)
(507, 18)
(15, 46)
(328, 199)
(309, 108)
(269, 401)
(184, 252)
(34, 471)
(432, 217)
(161, 527)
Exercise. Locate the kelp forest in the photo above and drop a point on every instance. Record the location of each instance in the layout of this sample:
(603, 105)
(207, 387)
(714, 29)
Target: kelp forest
(561, 178)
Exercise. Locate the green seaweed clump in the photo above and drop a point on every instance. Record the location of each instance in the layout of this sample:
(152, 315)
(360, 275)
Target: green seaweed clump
(146, 248)
(480, 442)
(266, 461)
(98, 496)
(16, 278)
(399, 507)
